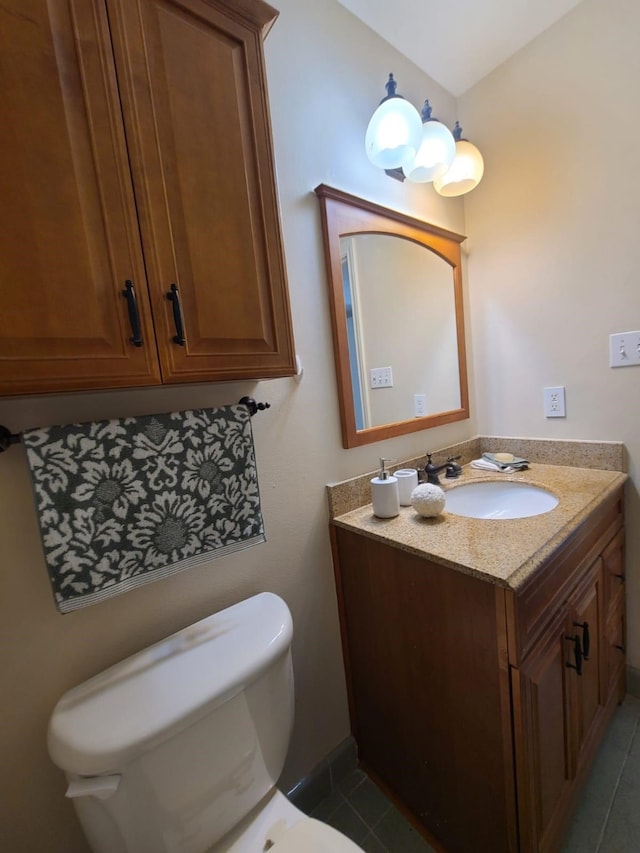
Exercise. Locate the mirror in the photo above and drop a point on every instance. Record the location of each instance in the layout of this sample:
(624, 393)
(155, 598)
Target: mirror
(395, 288)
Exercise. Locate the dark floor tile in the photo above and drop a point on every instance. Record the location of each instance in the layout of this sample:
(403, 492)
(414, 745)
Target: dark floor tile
(350, 782)
(595, 802)
(623, 724)
(372, 844)
(622, 832)
(347, 821)
(398, 836)
(370, 803)
(328, 806)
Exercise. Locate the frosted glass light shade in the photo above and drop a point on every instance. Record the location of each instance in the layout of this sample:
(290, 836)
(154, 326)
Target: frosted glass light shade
(465, 173)
(393, 134)
(435, 154)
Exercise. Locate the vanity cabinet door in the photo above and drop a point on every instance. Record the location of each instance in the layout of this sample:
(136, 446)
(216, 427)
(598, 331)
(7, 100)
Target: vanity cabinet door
(543, 707)
(614, 580)
(587, 623)
(194, 100)
(561, 705)
(68, 224)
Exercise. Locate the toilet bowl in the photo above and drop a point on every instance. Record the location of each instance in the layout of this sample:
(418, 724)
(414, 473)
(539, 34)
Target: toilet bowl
(178, 748)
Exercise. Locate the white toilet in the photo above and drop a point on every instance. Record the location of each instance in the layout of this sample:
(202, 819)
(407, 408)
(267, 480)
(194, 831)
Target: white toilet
(178, 748)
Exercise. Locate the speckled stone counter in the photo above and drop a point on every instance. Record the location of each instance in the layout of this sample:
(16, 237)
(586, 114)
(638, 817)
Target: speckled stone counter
(503, 551)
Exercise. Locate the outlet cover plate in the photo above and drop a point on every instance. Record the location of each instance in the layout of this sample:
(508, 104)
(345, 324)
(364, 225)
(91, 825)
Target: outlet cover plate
(554, 403)
(419, 405)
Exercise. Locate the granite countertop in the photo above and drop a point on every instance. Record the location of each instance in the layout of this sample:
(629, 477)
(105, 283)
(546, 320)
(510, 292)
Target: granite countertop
(502, 551)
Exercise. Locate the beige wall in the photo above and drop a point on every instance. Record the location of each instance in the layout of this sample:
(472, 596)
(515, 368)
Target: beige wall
(326, 72)
(554, 248)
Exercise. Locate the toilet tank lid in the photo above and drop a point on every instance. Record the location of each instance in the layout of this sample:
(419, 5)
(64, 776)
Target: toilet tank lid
(106, 721)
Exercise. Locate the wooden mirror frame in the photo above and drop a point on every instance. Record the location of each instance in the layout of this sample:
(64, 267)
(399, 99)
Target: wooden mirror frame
(343, 215)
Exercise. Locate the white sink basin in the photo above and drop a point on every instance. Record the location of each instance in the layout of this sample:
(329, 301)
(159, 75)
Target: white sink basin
(491, 499)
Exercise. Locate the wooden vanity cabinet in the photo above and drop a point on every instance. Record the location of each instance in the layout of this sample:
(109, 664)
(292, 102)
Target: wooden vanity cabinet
(135, 147)
(464, 700)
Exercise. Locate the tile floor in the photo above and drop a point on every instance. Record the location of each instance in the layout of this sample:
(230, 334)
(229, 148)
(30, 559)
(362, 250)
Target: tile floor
(607, 819)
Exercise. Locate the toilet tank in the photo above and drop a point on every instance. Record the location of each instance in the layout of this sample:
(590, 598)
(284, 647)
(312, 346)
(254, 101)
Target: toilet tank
(169, 749)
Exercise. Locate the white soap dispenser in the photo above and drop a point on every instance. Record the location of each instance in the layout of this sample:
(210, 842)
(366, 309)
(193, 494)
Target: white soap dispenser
(384, 493)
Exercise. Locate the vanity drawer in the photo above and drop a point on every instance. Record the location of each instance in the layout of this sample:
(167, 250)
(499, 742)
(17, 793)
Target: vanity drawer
(530, 607)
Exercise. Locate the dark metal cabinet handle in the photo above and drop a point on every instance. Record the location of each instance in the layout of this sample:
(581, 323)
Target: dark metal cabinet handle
(619, 647)
(134, 318)
(586, 644)
(577, 653)
(620, 577)
(174, 297)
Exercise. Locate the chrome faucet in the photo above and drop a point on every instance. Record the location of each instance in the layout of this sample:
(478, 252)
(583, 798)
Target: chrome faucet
(451, 468)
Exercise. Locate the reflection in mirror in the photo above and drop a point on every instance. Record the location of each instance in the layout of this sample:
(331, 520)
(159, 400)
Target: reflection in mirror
(396, 305)
(400, 312)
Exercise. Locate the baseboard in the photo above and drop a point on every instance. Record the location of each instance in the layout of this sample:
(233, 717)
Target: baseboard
(325, 776)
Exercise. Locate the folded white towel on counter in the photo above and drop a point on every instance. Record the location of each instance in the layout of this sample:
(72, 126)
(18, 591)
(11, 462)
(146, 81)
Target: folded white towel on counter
(491, 466)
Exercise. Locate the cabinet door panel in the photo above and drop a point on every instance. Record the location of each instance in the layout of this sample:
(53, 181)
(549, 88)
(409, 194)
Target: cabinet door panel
(68, 233)
(587, 608)
(615, 606)
(542, 708)
(201, 154)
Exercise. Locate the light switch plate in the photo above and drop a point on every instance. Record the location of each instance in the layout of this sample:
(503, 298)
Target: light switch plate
(381, 377)
(624, 349)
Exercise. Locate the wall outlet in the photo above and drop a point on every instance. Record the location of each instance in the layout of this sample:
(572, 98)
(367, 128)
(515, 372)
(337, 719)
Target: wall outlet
(381, 377)
(419, 405)
(624, 349)
(554, 406)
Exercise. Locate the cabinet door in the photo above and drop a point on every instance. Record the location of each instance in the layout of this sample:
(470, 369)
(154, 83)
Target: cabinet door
(543, 710)
(68, 230)
(614, 579)
(192, 80)
(560, 707)
(587, 619)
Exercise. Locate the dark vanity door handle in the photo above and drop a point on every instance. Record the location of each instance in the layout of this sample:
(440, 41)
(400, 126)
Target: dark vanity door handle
(577, 653)
(586, 644)
(134, 318)
(620, 577)
(174, 297)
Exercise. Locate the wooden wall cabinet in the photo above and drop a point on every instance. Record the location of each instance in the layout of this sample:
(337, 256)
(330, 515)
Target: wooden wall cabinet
(135, 147)
(465, 699)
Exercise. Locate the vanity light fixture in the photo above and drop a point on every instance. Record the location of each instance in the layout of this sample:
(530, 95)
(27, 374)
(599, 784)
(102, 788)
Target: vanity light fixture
(465, 173)
(394, 132)
(419, 148)
(436, 152)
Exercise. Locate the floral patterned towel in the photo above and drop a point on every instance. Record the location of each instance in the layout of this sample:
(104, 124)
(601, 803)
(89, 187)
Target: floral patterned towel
(128, 501)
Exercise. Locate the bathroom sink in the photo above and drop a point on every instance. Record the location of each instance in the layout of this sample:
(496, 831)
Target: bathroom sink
(491, 499)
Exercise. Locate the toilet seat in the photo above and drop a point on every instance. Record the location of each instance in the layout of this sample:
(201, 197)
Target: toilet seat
(277, 826)
(313, 836)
